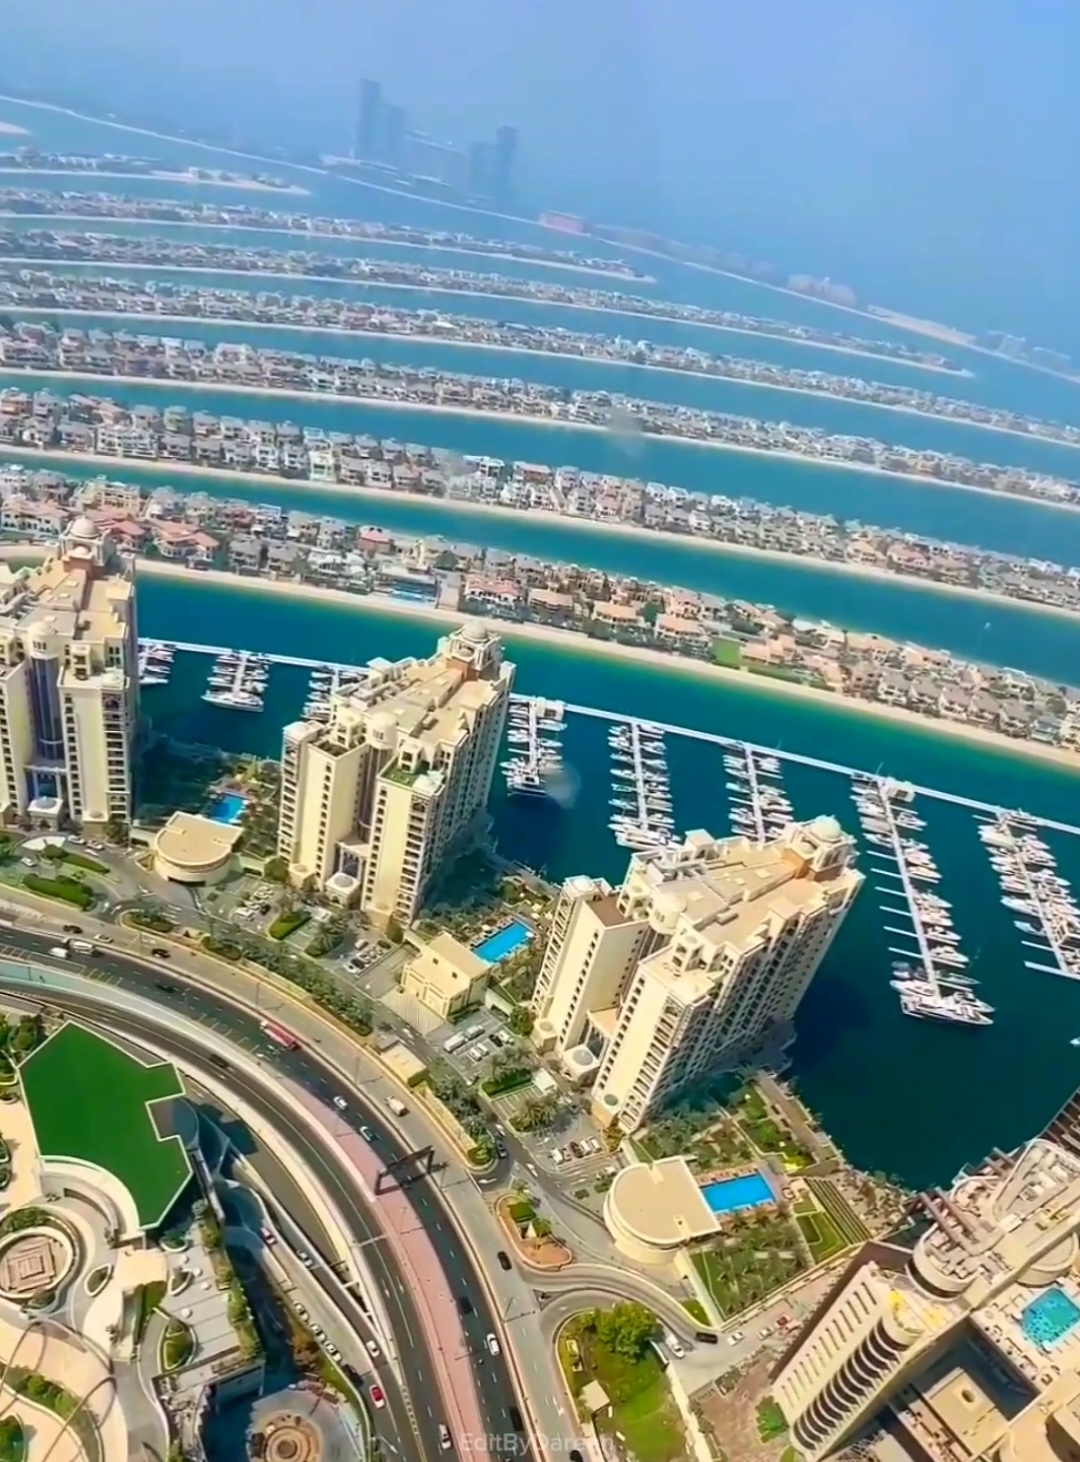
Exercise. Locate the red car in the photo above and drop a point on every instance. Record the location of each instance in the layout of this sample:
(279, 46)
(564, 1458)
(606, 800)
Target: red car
(378, 1400)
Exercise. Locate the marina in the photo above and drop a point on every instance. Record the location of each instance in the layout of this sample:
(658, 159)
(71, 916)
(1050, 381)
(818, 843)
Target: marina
(1047, 917)
(930, 978)
(533, 735)
(155, 662)
(760, 808)
(238, 681)
(328, 681)
(642, 818)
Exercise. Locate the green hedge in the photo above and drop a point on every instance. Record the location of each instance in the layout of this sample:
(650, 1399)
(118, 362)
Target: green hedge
(512, 1080)
(522, 1211)
(286, 924)
(67, 890)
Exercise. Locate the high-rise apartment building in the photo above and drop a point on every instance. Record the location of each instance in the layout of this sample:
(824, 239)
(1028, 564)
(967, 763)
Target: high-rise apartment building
(376, 800)
(682, 972)
(69, 683)
(369, 122)
(960, 1339)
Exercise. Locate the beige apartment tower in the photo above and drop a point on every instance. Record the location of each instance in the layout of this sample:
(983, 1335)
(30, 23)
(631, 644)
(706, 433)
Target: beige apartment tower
(960, 1340)
(680, 973)
(376, 799)
(69, 683)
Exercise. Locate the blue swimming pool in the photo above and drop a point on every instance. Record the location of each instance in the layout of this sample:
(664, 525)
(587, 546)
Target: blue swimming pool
(1049, 1318)
(503, 942)
(228, 808)
(729, 1195)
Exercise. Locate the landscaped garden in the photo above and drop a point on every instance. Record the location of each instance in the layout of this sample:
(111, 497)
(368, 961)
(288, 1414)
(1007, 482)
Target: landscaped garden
(63, 887)
(613, 1347)
(757, 1254)
(177, 1345)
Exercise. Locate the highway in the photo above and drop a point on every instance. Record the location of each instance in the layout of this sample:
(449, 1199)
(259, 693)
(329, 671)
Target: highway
(494, 1385)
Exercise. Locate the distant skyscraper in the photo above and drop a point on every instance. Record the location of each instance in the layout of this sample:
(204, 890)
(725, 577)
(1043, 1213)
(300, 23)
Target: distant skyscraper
(481, 169)
(395, 125)
(369, 121)
(506, 140)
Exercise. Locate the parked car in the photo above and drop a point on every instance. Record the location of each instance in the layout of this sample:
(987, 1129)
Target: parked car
(372, 1349)
(492, 1344)
(504, 1259)
(378, 1400)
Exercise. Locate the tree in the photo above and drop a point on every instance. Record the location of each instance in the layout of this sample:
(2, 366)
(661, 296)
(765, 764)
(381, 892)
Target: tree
(625, 1329)
(522, 1020)
(276, 870)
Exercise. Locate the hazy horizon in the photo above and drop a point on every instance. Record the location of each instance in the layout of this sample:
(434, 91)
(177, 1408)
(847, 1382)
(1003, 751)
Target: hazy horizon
(919, 154)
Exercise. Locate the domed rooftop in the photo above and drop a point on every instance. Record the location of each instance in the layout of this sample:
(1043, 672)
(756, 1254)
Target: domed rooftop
(83, 527)
(827, 829)
(474, 632)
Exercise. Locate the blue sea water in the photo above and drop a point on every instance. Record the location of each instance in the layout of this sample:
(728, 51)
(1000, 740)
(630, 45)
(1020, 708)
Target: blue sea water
(908, 1097)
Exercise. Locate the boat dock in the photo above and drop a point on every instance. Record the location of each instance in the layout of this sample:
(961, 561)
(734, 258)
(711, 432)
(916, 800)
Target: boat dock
(218, 652)
(238, 681)
(155, 662)
(760, 808)
(642, 816)
(1046, 912)
(534, 735)
(929, 978)
(328, 681)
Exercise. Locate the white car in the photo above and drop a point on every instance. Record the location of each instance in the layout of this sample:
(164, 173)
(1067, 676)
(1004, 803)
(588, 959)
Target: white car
(340, 1103)
(676, 1346)
(493, 1344)
(333, 1352)
(372, 1349)
(735, 1337)
(318, 1332)
(301, 1312)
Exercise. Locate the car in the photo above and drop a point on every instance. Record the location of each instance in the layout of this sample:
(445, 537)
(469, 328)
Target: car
(464, 1304)
(765, 1332)
(268, 1236)
(372, 1349)
(160, 952)
(318, 1332)
(446, 1441)
(705, 1337)
(165, 987)
(97, 847)
(77, 842)
(340, 1103)
(595, 1145)
(501, 1149)
(735, 1337)
(783, 1322)
(577, 1149)
(305, 1259)
(367, 1134)
(28, 862)
(558, 1157)
(219, 1061)
(73, 929)
(301, 1312)
(575, 1455)
(516, 1420)
(676, 1346)
(333, 1352)
(105, 939)
(378, 1400)
(504, 1259)
(492, 1343)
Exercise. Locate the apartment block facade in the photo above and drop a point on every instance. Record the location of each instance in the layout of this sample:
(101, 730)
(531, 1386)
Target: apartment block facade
(960, 1339)
(69, 683)
(397, 781)
(682, 971)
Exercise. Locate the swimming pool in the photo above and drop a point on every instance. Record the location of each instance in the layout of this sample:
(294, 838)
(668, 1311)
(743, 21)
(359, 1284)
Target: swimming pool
(1049, 1318)
(728, 1195)
(503, 942)
(227, 807)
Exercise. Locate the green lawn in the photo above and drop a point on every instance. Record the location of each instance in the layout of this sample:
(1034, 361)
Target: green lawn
(90, 1100)
(750, 1264)
(822, 1236)
(67, 890)
(844, 1218)
(286, 924)
(642, 1410)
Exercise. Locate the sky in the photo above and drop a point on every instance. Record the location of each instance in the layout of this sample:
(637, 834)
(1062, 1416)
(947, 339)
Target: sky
(920, 150)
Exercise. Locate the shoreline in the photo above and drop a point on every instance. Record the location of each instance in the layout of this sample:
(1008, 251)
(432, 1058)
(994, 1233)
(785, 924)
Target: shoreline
(163, 175)
(601, 360)
(359, 283)
(296, 233)
(421, 502)
(542, 634)
(390, 404)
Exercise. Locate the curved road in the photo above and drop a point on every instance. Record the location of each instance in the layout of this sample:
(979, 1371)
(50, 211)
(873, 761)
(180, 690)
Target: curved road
(493, 1382)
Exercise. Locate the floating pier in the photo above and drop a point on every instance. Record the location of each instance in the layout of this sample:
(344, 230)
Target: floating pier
(237, 681)
(1033, 890)
(155, 662)
(643, 817)
(534, 732)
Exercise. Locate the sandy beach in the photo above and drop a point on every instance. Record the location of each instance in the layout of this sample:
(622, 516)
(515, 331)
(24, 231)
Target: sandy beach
(420, 504)
(300, 279)
(581, 644)
(159, 175)
(386, 403)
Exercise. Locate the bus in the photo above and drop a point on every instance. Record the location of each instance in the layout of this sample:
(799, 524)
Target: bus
(280, 1036)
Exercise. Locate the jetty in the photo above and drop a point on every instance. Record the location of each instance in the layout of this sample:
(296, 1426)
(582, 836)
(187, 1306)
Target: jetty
(237, 681)
(641, 795)
(1032, 889)
(534, 731)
